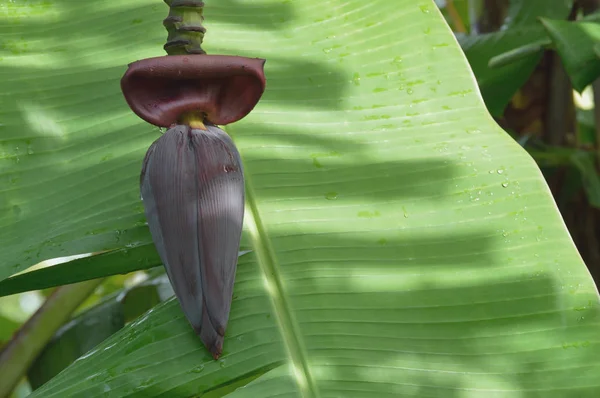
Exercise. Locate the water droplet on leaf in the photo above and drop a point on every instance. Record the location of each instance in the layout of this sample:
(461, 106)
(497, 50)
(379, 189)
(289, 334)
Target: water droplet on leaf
(331, 195)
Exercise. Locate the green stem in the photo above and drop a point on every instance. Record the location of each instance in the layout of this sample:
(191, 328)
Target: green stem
(32, 337)
(184, 25)
(518, 53)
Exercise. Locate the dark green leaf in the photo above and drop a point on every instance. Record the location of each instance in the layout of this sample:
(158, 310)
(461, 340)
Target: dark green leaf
(165, 357)
(95, 325)
(518, 54)
(499, 84)
(7, 328)
(585, 162)
(75, 339)
(574, 42)
(586, 127)
(526, 12)
(122, 261)
(37, 331)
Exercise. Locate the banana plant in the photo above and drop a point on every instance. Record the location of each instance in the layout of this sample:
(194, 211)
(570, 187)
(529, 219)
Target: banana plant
(403, 243)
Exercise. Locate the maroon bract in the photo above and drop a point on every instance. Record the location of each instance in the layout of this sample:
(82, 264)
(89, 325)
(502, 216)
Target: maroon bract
(192, 185)
(225, 88)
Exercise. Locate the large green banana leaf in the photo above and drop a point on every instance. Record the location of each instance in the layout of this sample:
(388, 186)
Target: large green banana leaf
(403, 244)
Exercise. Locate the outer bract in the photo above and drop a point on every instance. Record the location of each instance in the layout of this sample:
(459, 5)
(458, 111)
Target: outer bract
(193, 192)
(224, 88)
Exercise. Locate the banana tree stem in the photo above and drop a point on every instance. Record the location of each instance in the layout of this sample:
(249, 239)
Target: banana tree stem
(184, 25)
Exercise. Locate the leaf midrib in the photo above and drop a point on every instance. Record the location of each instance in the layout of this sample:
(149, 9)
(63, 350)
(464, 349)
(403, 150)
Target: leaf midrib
(269, 266)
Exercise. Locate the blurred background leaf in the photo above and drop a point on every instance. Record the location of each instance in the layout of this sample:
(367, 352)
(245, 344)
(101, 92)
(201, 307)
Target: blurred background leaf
(18, 354)
(527, 12)
(93, 326)
(574, 42)
(520, 28)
